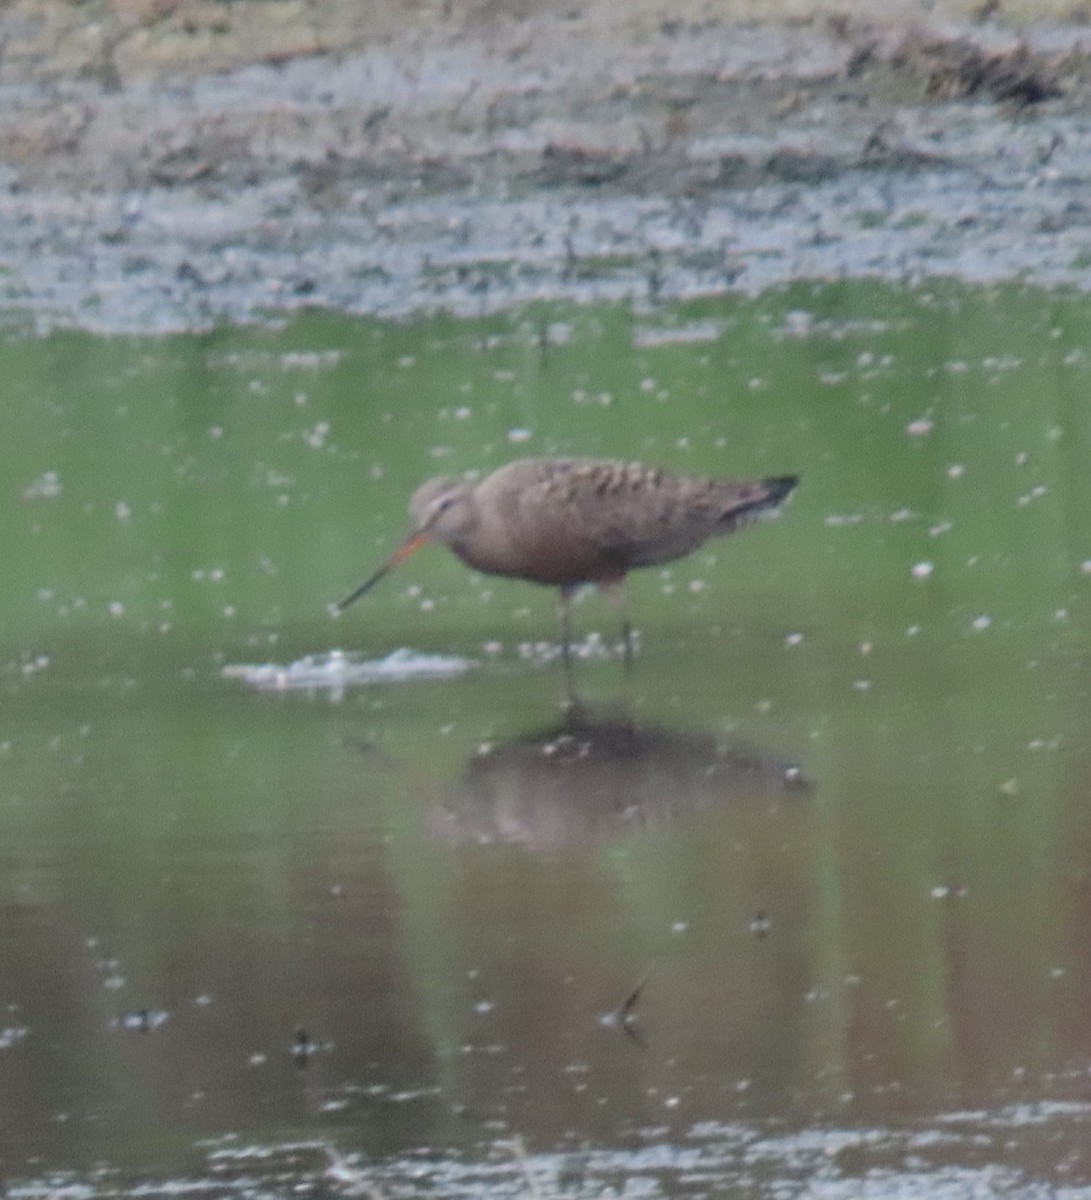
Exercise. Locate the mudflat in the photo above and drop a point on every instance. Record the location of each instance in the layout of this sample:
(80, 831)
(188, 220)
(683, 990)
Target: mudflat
(168, 164)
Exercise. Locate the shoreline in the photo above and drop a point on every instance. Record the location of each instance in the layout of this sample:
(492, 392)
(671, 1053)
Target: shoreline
(471, 165)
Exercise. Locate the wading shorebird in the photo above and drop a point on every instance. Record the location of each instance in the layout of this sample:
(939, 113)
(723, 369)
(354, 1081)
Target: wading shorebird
(564, 522)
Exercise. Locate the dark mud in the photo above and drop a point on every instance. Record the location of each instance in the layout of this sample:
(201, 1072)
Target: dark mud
(470, 164)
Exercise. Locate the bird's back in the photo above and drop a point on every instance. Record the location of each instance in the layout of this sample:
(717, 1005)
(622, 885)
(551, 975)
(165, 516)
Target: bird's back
(574, 520)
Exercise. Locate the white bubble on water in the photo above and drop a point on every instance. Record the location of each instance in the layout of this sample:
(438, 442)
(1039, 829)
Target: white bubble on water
(46, 487)
(316, 437)
(12, 1034)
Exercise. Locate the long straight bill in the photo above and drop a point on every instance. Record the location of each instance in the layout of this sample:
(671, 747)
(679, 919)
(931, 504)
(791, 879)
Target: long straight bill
(411, 543)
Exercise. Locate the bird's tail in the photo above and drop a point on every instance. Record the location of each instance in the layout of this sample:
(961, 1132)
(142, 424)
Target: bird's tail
(777, 489)
(761, 498)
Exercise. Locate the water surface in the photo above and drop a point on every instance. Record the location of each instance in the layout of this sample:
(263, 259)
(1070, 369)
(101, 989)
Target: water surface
(828, 837)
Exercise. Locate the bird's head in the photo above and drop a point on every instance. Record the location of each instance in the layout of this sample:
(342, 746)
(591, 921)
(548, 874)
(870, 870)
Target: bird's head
(442, 510)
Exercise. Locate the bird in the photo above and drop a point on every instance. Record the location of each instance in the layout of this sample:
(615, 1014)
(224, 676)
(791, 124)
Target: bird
(565, 522)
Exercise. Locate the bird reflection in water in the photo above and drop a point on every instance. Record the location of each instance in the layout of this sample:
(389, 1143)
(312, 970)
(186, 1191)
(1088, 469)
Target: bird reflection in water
(593, 778)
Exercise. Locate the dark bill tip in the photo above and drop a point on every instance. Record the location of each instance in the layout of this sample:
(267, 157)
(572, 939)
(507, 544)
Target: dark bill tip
(411, 543)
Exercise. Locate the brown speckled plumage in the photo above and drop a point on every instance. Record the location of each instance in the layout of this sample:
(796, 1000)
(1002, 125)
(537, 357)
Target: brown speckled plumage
(567, 521)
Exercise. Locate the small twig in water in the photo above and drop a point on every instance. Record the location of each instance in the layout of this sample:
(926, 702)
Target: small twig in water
(626, 1013)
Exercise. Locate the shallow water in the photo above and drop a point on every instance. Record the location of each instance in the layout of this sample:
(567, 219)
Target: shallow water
(827, 838)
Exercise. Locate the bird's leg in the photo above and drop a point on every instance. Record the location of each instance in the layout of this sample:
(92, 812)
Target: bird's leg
(614, 591)
(565, 612)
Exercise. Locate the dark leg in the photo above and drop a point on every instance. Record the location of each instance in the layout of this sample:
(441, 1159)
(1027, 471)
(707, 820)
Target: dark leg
(565, 611)
(614, 592)
(566, 646)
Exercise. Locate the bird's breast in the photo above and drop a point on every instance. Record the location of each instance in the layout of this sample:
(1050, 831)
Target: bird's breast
(546, 552)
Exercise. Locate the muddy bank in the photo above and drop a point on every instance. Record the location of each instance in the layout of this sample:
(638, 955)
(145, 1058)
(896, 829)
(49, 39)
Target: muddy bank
(488, 157)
